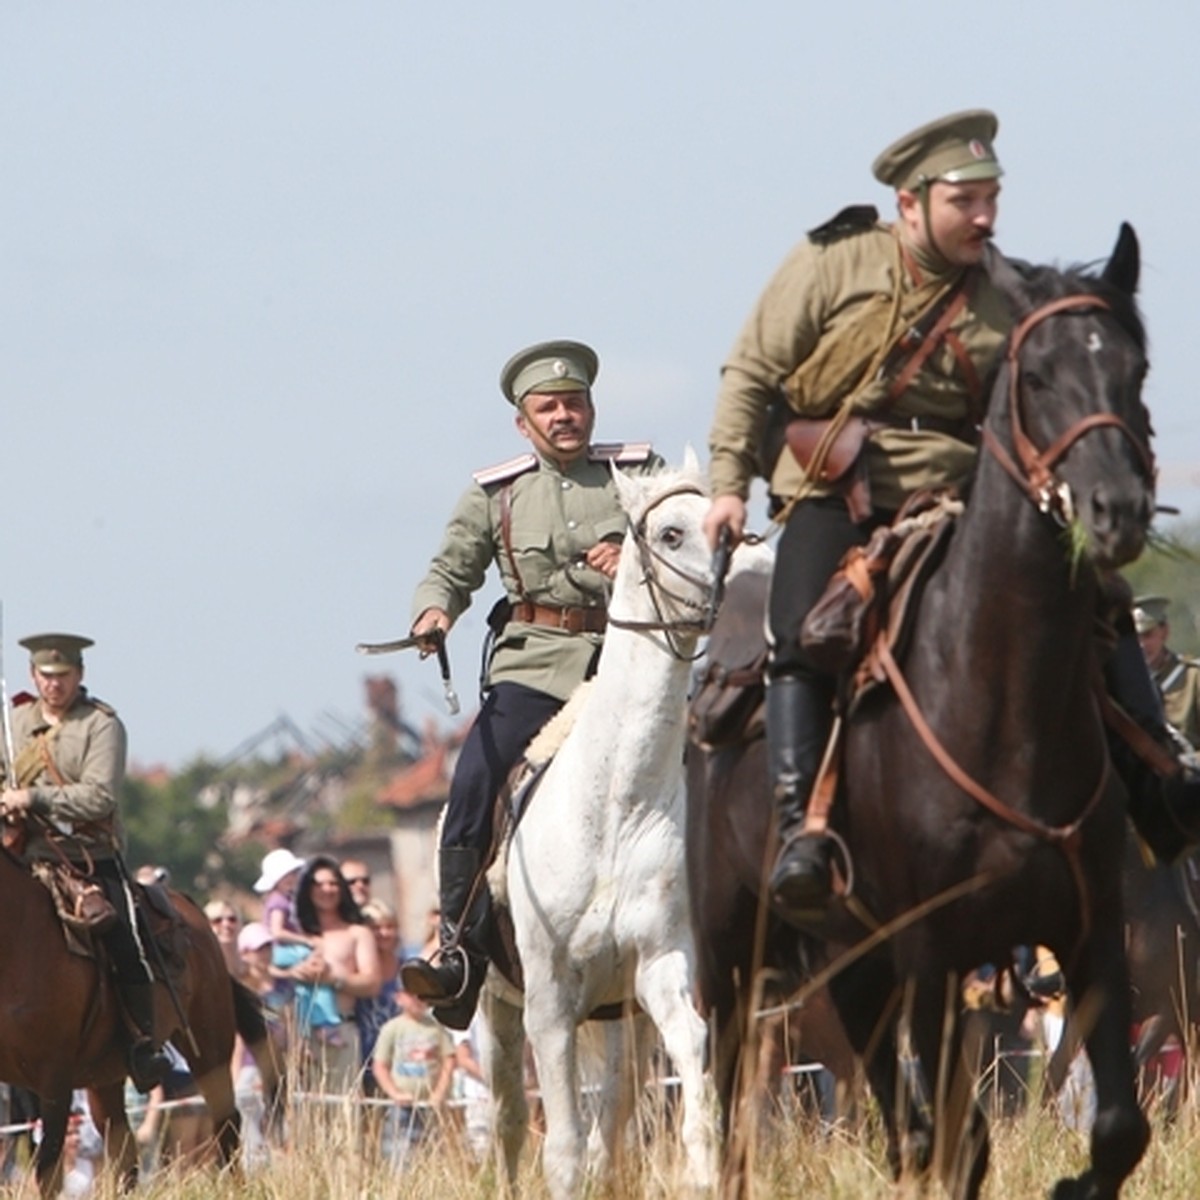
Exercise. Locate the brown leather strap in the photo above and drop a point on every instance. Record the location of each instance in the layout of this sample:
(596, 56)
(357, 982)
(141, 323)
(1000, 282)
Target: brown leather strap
(506, 538)
(955, 301)
(574, 618)
(1160, 760)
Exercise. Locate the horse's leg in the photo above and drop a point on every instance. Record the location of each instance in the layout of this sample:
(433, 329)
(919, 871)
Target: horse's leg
(663, 987)
(961, 1145)
(866, 997)
(505, 1068)
(614, 1101)
(1099, 983)
(551, 1028)
(107, 1105)
(48, 1164)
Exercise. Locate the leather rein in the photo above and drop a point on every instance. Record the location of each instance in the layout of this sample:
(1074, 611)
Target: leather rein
(651, 560)
(1035, 476)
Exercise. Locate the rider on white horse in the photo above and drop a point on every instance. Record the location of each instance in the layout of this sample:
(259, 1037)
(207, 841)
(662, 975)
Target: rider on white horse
(551, 522)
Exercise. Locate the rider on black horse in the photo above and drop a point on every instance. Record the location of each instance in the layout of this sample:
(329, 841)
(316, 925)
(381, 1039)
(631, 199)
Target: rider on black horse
(899, 323)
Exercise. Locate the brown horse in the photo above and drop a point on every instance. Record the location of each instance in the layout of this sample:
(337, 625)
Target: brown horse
(61, 1027)
(976, 802)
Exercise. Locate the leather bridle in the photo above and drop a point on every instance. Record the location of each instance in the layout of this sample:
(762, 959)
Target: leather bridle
(1035, 475)
(1035, 472)
(660, 594)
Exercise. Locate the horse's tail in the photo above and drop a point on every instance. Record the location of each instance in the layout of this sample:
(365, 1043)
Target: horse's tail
(251, 1023)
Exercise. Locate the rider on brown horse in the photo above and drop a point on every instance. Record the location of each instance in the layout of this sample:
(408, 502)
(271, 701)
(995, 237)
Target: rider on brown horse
(876, 341)
(69, 763)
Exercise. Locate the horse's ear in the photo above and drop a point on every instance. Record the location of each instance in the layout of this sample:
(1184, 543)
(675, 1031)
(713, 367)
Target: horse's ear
(627, 489)
(1124, 267)
(691, 464)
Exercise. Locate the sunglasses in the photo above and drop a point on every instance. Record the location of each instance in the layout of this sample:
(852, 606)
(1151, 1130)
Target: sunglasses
(353, 879)
(223, 920)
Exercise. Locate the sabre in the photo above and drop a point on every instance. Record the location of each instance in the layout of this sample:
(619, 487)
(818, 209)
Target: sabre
(434, 640)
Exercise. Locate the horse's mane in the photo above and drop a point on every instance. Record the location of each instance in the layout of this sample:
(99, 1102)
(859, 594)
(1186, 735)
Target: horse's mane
(661, 482)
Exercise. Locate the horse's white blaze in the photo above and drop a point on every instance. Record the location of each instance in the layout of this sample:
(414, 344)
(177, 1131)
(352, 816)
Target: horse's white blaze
(596, 879)
(1095, 343)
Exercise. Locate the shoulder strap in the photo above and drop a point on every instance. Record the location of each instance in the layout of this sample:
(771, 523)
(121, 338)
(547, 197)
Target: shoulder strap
(923, 337)
(505, 472)
(506, 538)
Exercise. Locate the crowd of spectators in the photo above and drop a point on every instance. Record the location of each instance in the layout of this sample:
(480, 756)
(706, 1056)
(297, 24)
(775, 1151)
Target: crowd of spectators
(323, 956)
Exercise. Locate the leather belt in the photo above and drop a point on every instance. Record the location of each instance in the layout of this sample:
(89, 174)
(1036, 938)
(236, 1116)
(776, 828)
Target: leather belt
(962, 428)
(574, 618)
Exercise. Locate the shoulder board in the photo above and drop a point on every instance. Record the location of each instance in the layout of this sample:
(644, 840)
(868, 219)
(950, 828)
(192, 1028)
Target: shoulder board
(858, 218)
(23, 698)
(107, 709)
(503, 472)
(624, 454)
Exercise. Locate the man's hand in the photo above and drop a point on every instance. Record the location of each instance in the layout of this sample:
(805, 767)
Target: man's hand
(427, 622)
(14, 800)
(725, 512)
(604, 557)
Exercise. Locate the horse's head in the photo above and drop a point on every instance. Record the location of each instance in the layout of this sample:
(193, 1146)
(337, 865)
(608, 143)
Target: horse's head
(1067, 418)
(666, 576)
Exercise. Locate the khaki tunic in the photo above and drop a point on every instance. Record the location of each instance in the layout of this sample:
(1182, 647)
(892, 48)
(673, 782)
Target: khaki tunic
(1178, 679)
(88, 748)
(556, 517)
(819, 289)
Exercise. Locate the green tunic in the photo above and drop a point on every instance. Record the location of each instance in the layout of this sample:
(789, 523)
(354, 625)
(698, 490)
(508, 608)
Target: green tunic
(820, 289)
(556, 517)
(1178, 679)
(88, 750)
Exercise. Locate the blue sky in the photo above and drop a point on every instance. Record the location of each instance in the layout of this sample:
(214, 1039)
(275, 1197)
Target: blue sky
(262, 263)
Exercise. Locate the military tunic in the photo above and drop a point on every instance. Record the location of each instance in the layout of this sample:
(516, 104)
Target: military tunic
(556, 516)
(1178, 680)
(827, 292)
(88, 749)
(820, 289)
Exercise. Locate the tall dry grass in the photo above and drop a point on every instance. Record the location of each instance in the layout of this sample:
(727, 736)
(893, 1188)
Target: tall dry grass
(330, 1158)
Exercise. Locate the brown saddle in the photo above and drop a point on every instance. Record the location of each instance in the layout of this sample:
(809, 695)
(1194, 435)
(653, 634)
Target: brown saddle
(87, 915)
(874, 595)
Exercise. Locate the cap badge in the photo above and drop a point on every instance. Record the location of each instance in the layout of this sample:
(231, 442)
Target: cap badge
(559, 368)
(977, 148)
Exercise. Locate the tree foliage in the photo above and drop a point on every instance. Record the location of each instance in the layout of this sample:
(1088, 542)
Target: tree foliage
(1171, 568)
(180, 823)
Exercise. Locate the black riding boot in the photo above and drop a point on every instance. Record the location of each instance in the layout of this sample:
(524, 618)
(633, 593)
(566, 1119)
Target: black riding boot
(148, 1064)
(451, 979)
(1165, 812)
(798, 721)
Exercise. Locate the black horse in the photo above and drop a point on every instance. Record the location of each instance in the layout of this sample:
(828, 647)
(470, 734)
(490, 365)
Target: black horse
(979, 811)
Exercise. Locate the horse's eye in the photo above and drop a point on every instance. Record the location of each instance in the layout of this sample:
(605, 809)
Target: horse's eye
(672, 537)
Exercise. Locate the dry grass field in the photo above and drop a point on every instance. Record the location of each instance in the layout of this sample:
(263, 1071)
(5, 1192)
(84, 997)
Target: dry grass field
(794, 1158)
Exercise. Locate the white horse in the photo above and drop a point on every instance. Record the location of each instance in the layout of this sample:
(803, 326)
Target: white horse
(596, 881)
